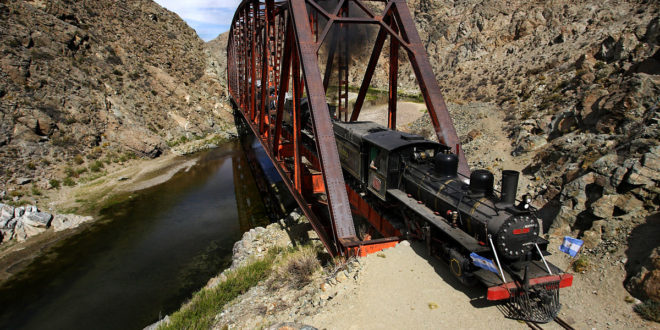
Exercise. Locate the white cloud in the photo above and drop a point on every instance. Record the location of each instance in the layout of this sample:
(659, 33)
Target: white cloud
(208, 17)
(207, 11)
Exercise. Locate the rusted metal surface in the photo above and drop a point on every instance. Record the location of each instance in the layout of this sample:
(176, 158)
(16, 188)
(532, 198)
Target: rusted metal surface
(274, 50)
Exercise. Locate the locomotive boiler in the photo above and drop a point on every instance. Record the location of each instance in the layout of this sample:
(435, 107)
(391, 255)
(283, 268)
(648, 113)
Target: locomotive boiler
(457, 216)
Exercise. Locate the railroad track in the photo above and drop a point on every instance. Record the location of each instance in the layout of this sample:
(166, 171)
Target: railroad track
(562, 323)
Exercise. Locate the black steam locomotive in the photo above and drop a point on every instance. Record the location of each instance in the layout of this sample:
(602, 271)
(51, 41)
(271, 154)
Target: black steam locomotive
(455, 216)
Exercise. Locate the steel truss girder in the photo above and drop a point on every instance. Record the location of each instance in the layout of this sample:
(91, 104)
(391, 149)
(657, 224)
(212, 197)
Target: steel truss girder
(276, 45)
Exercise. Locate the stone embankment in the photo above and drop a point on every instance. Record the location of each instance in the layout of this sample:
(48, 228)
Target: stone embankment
(21, 223)
(279, 302)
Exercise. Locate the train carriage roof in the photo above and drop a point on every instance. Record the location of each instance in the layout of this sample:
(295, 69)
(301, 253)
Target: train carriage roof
(383, 137)
(394, 140)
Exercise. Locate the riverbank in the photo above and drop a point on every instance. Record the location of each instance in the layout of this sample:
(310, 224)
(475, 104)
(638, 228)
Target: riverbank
(400, 287)
(117, 183)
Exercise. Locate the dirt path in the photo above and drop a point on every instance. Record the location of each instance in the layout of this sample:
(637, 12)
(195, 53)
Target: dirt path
(399, 289)
(407, 112)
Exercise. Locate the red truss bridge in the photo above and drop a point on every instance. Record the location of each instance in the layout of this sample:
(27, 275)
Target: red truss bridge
(280, 47)
(289, 68)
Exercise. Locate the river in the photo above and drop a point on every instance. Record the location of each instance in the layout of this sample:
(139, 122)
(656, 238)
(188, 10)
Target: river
(144, 257)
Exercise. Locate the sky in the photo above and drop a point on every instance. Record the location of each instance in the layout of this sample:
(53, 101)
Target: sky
(208, 17)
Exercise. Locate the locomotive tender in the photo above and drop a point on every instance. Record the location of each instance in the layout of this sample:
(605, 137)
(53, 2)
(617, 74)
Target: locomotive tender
(455, 216)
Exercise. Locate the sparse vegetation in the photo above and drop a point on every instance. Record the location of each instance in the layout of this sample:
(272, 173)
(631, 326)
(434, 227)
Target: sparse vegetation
(649, 310)
(295, 268)
(68, 181)
(181, 140)
(80, 171)
(95, 153)
(78, 159)
(16, 193)
(202, 308)
(69, 171)
(54, 183)
(96, 166)
(35, 190)
(581, 264)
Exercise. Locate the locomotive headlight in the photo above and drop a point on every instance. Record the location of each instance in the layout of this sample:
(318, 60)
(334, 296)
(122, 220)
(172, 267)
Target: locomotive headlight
(526, 201)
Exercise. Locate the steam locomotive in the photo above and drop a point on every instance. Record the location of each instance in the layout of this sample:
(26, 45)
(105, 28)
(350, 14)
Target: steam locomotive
(456, 216)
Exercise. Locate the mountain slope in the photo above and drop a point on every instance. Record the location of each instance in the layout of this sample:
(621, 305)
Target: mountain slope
(95, 78)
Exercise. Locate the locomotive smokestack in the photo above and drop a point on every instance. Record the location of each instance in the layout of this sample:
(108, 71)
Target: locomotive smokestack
(509, 187)
(481, 183)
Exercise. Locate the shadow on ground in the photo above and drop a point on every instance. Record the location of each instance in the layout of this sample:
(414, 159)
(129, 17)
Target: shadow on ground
(641, 242)
(476, 293)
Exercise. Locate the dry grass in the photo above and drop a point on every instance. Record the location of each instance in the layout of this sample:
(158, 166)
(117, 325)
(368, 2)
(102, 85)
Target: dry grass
(200, 311)
(295, 269)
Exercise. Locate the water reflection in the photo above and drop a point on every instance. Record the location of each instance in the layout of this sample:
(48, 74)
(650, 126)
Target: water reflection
(145, 257)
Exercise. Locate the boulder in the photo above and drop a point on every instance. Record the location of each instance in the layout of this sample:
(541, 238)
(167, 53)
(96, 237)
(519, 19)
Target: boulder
(139, 140)
(606, 51)
(652, 35)
(651, 285)
(37, 219)
(629, 204)
(31, 230)
(67, 221)
(11, 224)
(589, 100)
(650, 280)
(641, 175)
(591, 238)
(604, 206)
(624, 46)
(575, 191)
(23, 181)
(6, 214)
(605, 165)
(651, 159)
(19, 211)
(19, 233)
(564, 220)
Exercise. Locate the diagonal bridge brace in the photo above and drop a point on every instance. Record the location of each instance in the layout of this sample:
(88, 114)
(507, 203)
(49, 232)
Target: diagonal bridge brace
(273, 50)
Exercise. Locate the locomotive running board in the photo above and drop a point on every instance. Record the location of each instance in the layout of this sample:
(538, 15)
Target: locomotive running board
(466, 241)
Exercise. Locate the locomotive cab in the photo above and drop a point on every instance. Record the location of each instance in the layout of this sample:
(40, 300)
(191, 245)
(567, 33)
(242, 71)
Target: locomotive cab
(373, 154)
(387, 149)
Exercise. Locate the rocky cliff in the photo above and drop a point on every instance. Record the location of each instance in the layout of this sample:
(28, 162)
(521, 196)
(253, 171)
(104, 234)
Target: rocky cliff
(91, 80)
(579, 83)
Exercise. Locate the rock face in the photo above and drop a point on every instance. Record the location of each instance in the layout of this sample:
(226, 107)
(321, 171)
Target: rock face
(579, 83)
(20, 223)
(67, 221)
(78, 75)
